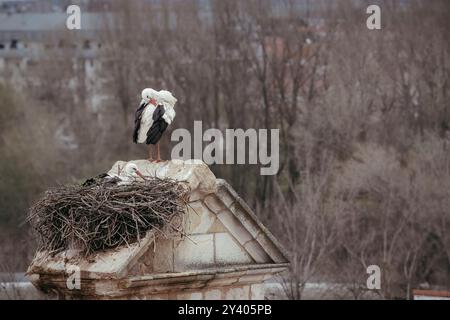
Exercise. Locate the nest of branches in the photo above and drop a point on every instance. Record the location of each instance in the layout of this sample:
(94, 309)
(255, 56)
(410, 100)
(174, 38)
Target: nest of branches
(101, 216)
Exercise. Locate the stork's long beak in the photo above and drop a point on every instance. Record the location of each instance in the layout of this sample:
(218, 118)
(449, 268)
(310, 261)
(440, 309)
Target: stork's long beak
(140, 174)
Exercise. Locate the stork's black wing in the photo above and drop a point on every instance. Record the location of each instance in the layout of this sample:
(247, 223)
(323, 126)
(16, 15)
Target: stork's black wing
(158, 127)
(137, 121)
(95, 180)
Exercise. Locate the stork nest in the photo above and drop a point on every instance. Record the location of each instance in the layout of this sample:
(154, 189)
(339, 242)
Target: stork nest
(101, 216)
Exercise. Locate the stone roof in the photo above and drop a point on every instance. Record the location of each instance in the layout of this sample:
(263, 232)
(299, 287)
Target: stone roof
(224, 242)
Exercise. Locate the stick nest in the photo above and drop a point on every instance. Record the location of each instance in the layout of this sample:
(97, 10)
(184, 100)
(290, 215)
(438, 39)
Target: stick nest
(100, 216)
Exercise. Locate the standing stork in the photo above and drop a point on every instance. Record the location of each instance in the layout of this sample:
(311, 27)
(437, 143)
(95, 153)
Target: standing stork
(155, 113)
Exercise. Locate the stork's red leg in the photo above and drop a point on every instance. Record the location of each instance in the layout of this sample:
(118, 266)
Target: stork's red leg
(150, 158)
(158, 156)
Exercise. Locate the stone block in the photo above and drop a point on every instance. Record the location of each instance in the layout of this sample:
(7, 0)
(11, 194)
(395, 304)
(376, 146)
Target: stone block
(251, 278)
(257, 291)
(213, 203)
(270, 248)
(197, 251)
(228, 251)
(217, 227)
(214, 294)
(250, 225)
(159, 296)
(163, 255)
(190, 295)
(232, 224)
(199, 219)
(257, 252)
(221, 282)
(238, 293)
(225, 196)
(195, 173)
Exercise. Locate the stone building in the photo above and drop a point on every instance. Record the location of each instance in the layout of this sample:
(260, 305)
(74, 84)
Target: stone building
(226, 252)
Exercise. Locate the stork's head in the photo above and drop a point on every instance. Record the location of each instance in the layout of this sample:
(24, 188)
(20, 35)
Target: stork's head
(149, 96)
(131, 170)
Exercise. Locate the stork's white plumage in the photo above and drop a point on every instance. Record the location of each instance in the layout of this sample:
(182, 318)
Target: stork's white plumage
(146, 123)
(155, 113)
(149, 97)
(168, 101)
(128, 175)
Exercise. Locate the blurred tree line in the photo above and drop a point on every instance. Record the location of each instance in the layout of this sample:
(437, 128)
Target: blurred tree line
(363, 115)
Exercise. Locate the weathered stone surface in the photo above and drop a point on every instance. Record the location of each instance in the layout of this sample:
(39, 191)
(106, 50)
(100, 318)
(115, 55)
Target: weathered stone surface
(221, 282)
(257, 291)
(223, 194)
(244, 219)
(104, 287)
(161, 296)
(215, 294)
(257, 252)
(250, 222)
(195, 252)
(213, 203)
(195, 173)
(144, 265)
(190, 296)
(270, 248)
(163, 253)
(196, 195)
(199, 219)
(217, 227)
(251, 278)
(232, 223)
(238, 293)
(102, 264)
(228, 251)
(147, 259)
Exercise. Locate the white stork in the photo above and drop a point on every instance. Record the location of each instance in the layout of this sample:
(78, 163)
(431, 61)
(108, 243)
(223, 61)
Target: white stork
(127, 175)
(155, 113)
